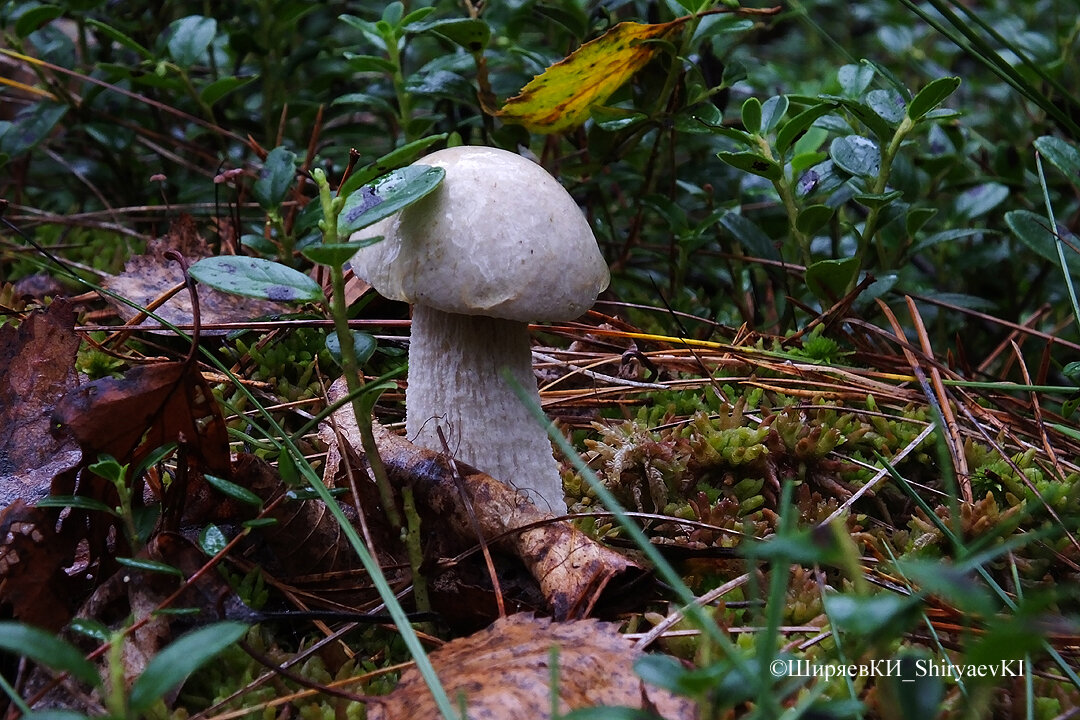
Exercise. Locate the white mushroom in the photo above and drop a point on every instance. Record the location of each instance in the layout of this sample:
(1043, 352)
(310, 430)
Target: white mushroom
(497, 245)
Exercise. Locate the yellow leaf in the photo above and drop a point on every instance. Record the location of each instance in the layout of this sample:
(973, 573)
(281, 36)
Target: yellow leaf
(559, 98)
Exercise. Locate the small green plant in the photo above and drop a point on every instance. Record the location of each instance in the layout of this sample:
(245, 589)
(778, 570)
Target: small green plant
(164, 672)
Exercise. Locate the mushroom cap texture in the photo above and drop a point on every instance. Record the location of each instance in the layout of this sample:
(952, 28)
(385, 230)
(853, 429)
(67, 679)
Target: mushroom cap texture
(499, 237)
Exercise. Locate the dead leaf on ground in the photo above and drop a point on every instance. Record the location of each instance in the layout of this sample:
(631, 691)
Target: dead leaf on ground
(504, 673)
(572, 569)
(148, 277)
(33, 558)
(150, 406)
(37, 365)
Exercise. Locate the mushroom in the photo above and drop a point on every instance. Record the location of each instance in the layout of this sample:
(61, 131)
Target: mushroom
(497, 245)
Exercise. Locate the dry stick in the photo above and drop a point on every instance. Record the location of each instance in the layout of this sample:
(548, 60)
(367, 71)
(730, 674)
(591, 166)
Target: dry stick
(676, 617)
(881, 473)
(956, 444)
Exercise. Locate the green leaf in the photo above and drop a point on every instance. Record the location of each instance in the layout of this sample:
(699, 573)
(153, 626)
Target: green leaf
(255, 277)
(1061, 155)
(231, 489)
(275, 177)
(472, 34)
(76, 501)
(212, 540)
(829, 280)
(119, 37)
(884, 614)
(854, 79)
(152, 566)
(981, 199)
(363, 343)
(918, 217)
(391, 160)
(751, 115)
(814, 217)
(754, 241)
(888, 104)
(754, 163)
(799, 124)
(88, 627)
(31, 127)
(387, 195)
(876, 200)
(931, 96)
(856, 155)
(171, 667)
(222, 87)
(189, 37)
(772, 112)
(35, 17)
(336, 254)
(48, 650)
(614, 119)
(1034, 231)
(369, 63)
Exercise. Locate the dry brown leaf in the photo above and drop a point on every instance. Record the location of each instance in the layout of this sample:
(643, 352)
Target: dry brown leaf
(504, 673)
(150, 406)
(37, 365)
(33, 556)
(147, 277)
(572, 569)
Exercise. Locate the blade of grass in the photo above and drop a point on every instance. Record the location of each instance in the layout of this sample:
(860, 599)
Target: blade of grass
(1057, 237)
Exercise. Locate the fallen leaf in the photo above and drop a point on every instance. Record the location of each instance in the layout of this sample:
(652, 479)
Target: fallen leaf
(37, 365)
(559, 98)
(504, 672)
(150, 406)
(146, 278)
(33, 556)
(573, 570)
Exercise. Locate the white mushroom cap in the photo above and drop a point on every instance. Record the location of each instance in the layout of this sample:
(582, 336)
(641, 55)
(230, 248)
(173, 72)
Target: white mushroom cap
(499, 237)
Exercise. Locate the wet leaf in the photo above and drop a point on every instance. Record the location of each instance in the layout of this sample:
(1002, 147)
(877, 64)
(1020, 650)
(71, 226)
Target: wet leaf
(1034, 231)
(37, 365)
(275, 178)
(856, 155)
(754, 163)
(1061, 155)
(190, 37)
(813, 218)
(931, 96)
(150, 406)
(981, 199)
(830, 279)
(387, 195)
(258, 278)
(505, 671)
(363, 343)
(33, 558)
(148, 277)
(470, 33)
(559, 99)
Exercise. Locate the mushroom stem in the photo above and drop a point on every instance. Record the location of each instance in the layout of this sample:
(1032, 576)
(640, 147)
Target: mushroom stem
(455, 382)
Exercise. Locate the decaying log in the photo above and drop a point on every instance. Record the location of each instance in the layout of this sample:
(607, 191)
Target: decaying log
(571, 568)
